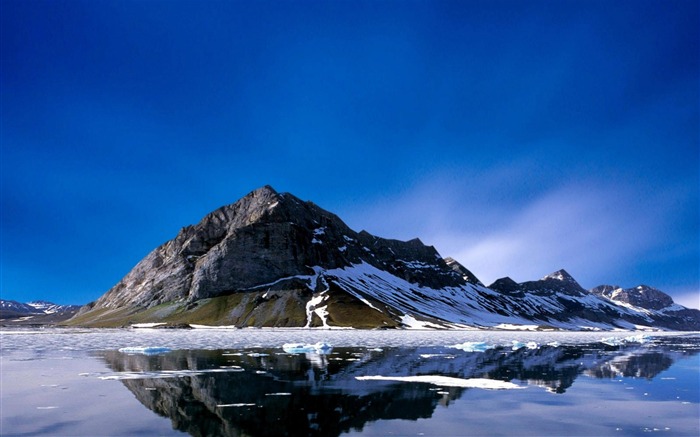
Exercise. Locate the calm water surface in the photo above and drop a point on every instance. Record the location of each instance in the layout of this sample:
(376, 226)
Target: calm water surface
(243, 382)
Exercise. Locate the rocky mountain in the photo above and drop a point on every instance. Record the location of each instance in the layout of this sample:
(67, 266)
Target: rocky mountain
(37, 312)
(8, 307)
(271, 259)
(642, 296)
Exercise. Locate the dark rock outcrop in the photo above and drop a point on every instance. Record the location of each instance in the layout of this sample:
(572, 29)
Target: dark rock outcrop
(507, 286)
(641, 296)
(468, 276)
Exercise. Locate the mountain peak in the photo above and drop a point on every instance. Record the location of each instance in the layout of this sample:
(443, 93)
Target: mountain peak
(560, 275)
(506, 285)
(462, 271)
(642, 296)
(262, 196)
(264, 190)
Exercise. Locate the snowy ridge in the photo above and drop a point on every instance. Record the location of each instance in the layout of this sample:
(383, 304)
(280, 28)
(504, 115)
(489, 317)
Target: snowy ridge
(473, 305)
(47, 307)
(11, 308)
(455, 305)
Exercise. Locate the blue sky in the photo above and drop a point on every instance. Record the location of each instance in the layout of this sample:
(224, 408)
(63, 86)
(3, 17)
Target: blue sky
(519, 137)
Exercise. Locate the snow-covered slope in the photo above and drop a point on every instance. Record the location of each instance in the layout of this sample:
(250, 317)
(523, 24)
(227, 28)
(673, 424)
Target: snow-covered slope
(556, 301)
(44, 307)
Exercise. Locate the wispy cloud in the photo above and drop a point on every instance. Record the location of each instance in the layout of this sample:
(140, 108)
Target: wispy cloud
(582, 229)
(597, 231)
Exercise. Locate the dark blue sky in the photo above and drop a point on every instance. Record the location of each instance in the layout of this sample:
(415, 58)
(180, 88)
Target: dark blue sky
(519, 137)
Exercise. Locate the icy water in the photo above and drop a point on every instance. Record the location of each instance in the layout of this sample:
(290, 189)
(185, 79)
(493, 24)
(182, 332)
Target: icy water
(66, 382)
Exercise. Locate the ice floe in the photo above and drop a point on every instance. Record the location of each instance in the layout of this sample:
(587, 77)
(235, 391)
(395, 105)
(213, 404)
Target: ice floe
(619, 341)
(519, 345)
(447, 381)
(473, 346)
(305, 348)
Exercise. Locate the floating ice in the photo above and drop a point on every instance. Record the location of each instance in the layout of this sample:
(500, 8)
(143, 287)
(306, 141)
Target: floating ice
(519, 345)
(641, 338)
(144, 350)
(473, 346)
(612, 341)
(304, 348)
(618, 341)
(447, 381)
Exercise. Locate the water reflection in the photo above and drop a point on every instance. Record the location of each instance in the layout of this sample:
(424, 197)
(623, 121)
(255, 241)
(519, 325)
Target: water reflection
(269, 392)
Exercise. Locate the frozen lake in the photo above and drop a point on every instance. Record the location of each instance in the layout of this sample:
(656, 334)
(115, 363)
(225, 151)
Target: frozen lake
(73, 382)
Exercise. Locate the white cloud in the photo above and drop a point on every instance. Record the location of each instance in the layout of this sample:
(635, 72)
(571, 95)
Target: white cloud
(595, 231)
(580, 229)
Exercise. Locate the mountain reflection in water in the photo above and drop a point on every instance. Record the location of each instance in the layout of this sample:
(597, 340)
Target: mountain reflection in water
(269, 392)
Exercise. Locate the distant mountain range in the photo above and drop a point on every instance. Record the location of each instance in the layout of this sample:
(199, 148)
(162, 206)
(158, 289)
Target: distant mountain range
(271, 259)
(37, 312)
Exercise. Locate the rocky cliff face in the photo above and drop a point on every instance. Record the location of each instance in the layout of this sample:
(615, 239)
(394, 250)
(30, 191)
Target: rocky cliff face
(271, 259)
